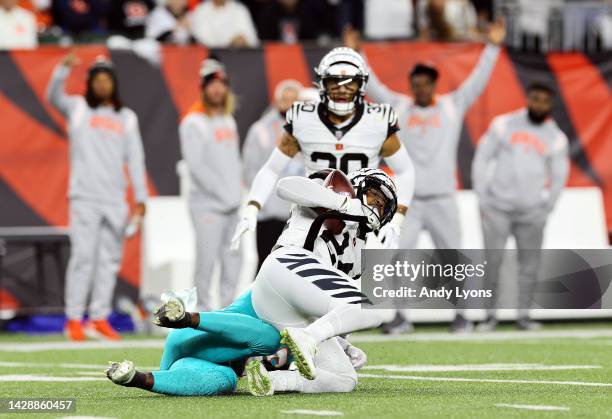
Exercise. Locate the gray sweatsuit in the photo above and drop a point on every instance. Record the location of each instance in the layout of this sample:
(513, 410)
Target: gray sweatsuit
(102, 141)
(519, 171)
(210, 146)
(431, 136)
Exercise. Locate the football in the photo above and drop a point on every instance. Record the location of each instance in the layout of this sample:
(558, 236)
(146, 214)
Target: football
(339, 183)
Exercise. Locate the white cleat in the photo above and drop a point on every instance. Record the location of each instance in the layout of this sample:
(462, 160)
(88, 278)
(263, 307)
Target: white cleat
(303, 348)
(121, 372)
(259, 382)
(173, 310)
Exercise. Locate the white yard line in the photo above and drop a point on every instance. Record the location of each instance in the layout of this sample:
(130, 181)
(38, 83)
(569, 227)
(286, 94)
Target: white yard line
(75, 346)
(495, 336)
(86, 417)
(44, 378)
(62, 365)
(477, 367)
(485, 380)
(48, 365)
(414, 337)
(532, 407)
(312, 412)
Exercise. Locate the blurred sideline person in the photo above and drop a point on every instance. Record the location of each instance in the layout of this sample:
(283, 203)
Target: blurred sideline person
(263, 136)
(528, 155)
(430, 130)
(104, 135)
(17, 26)
(210, 147)
(169, 22)
(223, 24)
(341, 131)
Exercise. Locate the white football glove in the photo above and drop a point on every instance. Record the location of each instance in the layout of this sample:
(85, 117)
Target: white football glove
(389, 234)
(357, 356)
(352, 206)
(247, 223)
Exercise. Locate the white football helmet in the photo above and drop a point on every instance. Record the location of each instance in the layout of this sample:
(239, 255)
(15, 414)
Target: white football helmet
(343, 64)
(365, 179)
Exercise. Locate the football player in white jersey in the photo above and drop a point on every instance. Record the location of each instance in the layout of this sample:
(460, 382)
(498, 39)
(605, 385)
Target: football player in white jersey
(343, 132)
(314, 274)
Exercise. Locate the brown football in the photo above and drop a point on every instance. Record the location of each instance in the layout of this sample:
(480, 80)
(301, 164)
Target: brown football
(337, 181)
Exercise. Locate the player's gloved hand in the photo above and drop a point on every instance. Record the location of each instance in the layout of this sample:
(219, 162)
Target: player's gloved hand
(357, 356)
(389, 234)
(248, 222)
(352, 207)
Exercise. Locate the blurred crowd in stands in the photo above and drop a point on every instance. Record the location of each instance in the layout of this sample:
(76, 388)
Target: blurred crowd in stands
(532, 24)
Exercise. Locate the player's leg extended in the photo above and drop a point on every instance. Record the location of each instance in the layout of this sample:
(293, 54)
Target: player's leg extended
(185, 377)
(232, 336)
(194, 377)
(219, 337)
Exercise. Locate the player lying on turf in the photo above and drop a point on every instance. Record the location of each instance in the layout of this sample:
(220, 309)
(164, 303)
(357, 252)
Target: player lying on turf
(211, 349)
(206, 353)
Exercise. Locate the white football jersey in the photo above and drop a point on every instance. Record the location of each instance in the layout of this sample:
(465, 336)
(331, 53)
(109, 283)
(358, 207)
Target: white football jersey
(347, 147)
(341, 251)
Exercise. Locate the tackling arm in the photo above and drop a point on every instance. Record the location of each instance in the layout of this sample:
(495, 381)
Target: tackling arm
(266, 178)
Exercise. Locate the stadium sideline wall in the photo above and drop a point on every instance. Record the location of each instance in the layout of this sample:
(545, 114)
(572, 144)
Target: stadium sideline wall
(34, 148)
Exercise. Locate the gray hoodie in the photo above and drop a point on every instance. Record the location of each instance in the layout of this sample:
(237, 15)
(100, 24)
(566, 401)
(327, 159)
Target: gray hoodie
(102, 141)
(520, 166)
(431, 134)
(209, 145)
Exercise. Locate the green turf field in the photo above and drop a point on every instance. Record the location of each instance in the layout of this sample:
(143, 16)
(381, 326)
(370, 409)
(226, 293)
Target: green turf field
(428, 374)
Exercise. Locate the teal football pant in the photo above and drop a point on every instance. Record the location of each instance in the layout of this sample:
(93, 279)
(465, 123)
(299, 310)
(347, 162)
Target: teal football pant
(192, 360)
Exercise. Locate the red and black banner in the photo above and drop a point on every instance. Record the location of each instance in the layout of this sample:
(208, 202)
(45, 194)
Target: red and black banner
(34, 147)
